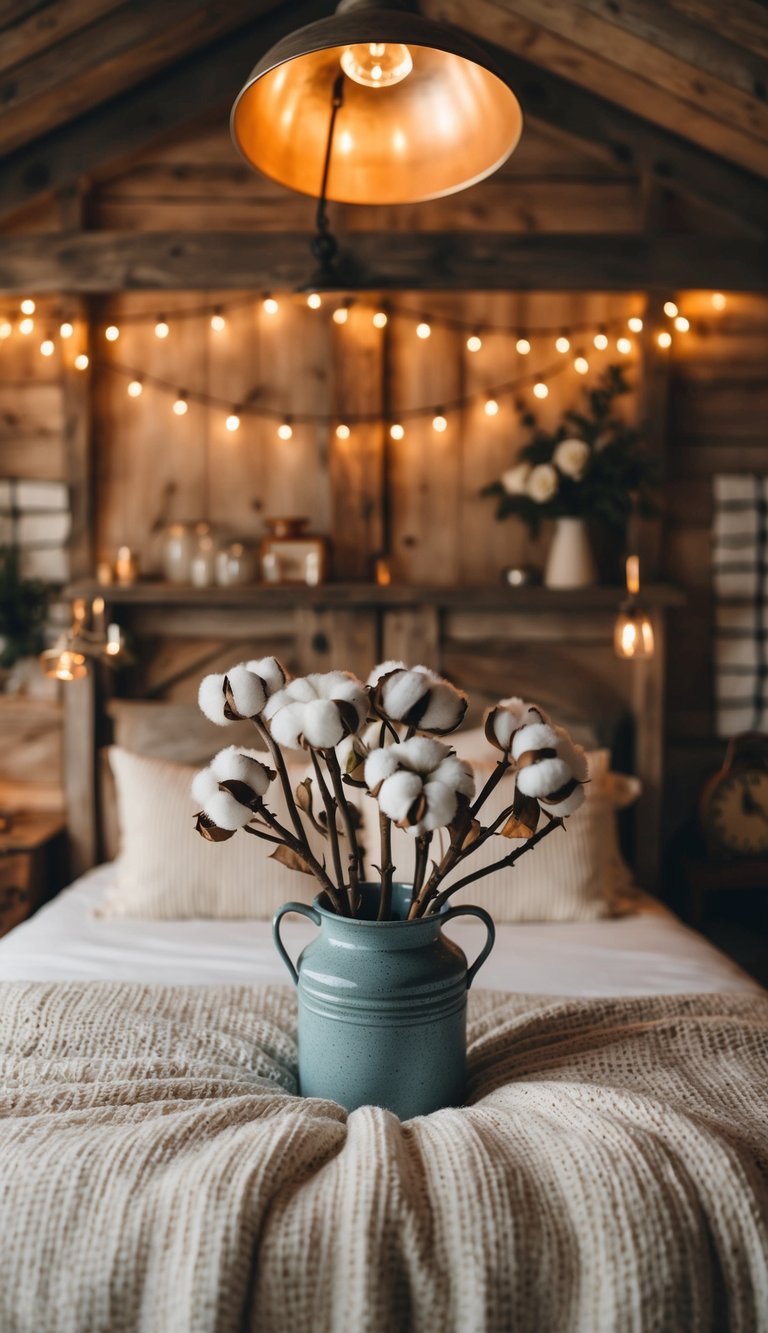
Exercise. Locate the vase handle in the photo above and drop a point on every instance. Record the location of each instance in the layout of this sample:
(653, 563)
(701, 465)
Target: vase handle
(487, 921)
(303, 910)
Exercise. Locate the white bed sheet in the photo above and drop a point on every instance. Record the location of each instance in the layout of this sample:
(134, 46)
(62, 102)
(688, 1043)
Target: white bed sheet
(651, 953)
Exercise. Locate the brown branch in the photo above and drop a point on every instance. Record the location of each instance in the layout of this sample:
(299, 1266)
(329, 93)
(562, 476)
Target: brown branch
(506, 861)
(334, 768)
(330, 814)
(387, 869)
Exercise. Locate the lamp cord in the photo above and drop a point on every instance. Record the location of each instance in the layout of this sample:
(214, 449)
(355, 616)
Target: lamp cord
(324, 246)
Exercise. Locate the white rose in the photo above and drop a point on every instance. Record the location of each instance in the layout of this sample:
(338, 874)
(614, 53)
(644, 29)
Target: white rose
(571, 457)
(542, 483)
(515, 479)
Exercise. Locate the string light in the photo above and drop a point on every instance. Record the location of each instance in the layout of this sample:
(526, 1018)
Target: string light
(27, 307)
(161, 328)
(682, 324)
(600, 341)
(718, 300)
(540, 390)
(635, 324)
(380, 319)
(423, 330)
(66, 329)
(6, 328)
(664, 338)
(670, 309)
(218, 322)
(232, 422)
(396, 431)
(439, 423)
(81, 361)
(26, 326)
(491, 408)
(112, 333)
(181, 406)
(474, 343)
(522, 346)
(624, 345)
(314, 301)
(285, 431)
(47, 347)
(562, 344)
(343, 432)
(341, 314)
(135, 389)
(581, 365)
(270, 306)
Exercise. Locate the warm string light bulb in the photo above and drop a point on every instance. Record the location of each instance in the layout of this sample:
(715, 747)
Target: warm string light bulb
(26, 326)
(81, 361)
(340, 314)
(562, 344)
(314, 301)
(380, 319)
(670, 309)
(491, 407)
(600, 340)
(522, 347)
(6, 328)
(581, 365)
(682, 324)
(439, 423)
(423, 330)
(718, 300)
(135, 389)
(27, 307)
(232, 422)
(474, 343)
(112, 333)
(664, 338)
(218, 322)
(181, 406)
(285, 431)
(270, 306)
(540, 390)
(66, 329)
(47, 347)
(635, 324)
(161, 328)
(624, 345)
(396, 431)
(342, 432)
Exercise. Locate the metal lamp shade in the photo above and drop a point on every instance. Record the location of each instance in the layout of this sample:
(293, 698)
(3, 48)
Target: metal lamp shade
(452, 121)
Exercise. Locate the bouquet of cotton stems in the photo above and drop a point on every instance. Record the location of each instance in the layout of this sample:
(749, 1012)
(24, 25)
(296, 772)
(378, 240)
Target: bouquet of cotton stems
(381, 736)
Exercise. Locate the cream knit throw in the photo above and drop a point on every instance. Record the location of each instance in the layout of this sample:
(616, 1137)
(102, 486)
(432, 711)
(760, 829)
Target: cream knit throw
(158, 1174)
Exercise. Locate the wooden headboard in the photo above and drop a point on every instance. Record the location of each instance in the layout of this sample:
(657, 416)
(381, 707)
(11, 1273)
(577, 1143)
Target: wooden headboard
(552, 647)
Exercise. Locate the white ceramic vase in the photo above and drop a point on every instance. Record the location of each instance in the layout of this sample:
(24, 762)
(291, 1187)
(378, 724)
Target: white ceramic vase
(570, 563)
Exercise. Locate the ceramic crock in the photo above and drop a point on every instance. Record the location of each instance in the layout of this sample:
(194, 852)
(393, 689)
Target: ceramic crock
(382, 1005)
(570, 563)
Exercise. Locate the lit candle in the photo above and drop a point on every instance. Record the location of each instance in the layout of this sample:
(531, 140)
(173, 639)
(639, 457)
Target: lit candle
(126, 566)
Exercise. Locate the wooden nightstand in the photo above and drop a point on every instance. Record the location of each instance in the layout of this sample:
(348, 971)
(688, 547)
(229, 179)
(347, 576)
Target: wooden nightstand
(32, 865)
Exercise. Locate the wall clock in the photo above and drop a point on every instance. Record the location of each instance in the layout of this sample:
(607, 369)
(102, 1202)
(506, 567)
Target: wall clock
(734, 802)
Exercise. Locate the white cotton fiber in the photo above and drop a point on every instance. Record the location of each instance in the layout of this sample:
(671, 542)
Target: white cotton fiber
(421, 753)
(402, 692)
(537, 736)
(247, 691)
(271, 671)
(573, 754)
(235, 765)
(379, 765)
(210, 698)
(383, 669)
(567, 806)
(441, 806)
(398, 794)
(544, 777)
(322, 724)
(287, 724)
(445, 709)
(226, 812)
(205, 784)
(455, 773)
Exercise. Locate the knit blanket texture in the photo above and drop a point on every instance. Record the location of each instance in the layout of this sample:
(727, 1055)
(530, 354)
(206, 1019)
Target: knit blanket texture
(159, 1173)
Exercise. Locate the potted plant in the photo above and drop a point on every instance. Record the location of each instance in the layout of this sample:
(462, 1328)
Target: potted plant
(23, 607)
(589, 468)
(382, 994)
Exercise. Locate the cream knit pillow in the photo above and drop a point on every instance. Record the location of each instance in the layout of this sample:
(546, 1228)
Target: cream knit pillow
(166, 870)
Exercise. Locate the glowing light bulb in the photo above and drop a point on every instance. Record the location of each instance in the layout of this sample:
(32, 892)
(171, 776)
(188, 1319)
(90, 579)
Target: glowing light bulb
(670, 309)
(380, 319)
(66, 329)
(27, 307)
(635, 324)
(540, 390)
(343, 432)
(682, 324)
(270, 306)
(664, 339)
(377, 64)
(522, 346)
(341, 315)
(81, 361)
(624, 345)
(718, 300)
(314, 301)
(396, 431)
(474, 343)
(181, 406)
(423, 330)
(285, 431)
(218, 322)
(26, 326)
(46, 347)
(600, 341)
(161, 329)
(112, 333)
(581, 365)
(6, 328)
(491, 408)
(135, 389)
(562, 344)
(439, 424)
(232, 422)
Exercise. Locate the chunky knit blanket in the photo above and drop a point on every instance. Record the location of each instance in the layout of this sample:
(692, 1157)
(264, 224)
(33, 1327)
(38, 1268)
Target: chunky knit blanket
(158, 1172)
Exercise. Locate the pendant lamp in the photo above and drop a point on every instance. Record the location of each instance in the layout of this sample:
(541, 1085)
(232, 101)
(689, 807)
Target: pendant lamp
(376, 105)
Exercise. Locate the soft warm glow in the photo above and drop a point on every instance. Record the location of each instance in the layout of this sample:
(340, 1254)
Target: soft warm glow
(343, 432)
(63, 664)
(600, 341)
(26, 326)
(270, 306)
(540, 390)
(46, 347)
(81, 361)
(377, 64)
(581, 365)
(341, 314)
(423, 330)
(380, 319)
(66, 329)
(285, 431)
(383, 572)
(181, 407)
(474, 343)
(624, 345)
(161, 329)
(27, 307)
(6, 328)
(396, 431)
(232, 422)
(491, 408)
(522, 346)
(314, 301)
(682, 324)
(135, 389)
(218, 323)
(562, 344)
(633, 634)
(114, 643)
(718, 300)
(632, 571)
(439, 423)
(635, 324)
(664, 338)
(112, 333)
(670, 309)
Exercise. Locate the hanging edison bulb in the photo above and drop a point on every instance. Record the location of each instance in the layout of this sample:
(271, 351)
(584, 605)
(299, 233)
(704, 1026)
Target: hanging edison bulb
(633, 631)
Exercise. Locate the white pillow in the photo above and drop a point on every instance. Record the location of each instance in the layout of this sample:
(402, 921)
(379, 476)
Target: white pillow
(166, 870)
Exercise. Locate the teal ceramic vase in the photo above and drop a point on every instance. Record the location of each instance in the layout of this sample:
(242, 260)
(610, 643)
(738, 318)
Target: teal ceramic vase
(383, 1005)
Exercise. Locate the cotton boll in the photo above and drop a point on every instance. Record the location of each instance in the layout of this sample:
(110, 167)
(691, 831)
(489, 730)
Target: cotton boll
(323, 727)
(247, 691)
(287, 724)
(379, 765)
(454, 773)
(445, 710)
(573, 755)
(567, 805)
(205, 784)
(401, 693)
(270, 671)
(226, 812)
(384, 669)
(441, 806)
(544, 777)
(234, 765)
(398, 794)
(537, 736)
(421, 754)
(211, 699)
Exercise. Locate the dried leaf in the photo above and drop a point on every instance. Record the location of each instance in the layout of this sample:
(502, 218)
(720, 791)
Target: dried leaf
(473, 833)
(524, 818)
(210, 831)
(291, 860)
(304, 796)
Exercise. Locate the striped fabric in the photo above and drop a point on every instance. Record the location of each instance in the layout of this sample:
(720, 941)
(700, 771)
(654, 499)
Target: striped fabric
(740, 577)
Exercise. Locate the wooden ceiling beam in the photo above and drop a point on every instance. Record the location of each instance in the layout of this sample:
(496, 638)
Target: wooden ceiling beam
(26, 30)
(128, 124)
(746, 20)
(150, 261)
